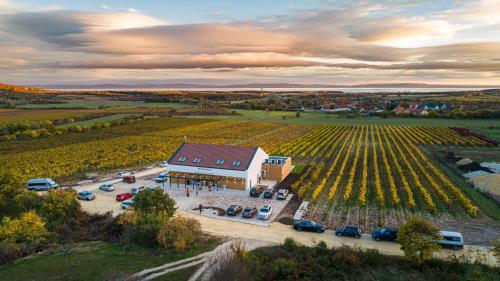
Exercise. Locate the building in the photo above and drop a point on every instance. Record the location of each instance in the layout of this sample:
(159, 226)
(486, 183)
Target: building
(224, 166)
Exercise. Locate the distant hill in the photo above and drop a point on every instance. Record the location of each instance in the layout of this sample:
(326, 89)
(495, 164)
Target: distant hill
(255, 86)
(8, 88)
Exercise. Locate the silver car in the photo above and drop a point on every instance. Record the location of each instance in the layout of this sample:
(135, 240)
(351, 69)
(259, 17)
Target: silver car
(265, 212)
(107, 187)
(282, 194)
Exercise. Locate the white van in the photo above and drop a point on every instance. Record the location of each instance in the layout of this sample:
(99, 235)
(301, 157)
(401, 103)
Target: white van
(451, 239)
(42, 184)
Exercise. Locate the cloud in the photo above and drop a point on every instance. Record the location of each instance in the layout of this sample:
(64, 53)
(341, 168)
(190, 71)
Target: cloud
(239, 60)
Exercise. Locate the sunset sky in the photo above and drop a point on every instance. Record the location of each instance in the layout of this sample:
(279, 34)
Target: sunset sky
(227, 42)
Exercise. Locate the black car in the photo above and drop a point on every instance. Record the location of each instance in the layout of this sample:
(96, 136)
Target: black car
(256, 191)
(388, 234)
(249, 212)
(234, 210)
(350, 230)
(268, 194)
(308, 225)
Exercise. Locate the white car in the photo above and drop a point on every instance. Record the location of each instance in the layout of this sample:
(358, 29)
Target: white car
(127, 204)
(163, 164)
(123, 174)
(282, 194)
(107, 187)
(265, 212)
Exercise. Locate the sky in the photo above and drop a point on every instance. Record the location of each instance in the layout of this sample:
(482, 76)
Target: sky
(232, 42)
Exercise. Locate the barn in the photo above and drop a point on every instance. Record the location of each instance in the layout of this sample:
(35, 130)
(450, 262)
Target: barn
(224, 166)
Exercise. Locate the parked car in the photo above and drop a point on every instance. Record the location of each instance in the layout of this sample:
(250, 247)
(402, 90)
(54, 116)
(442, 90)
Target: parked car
(129, 179)
(249, 212)
(123, 174)
(282, 194)
(164, 164)
(234, 210)
(107, 187)
(42, 184)
(265, 212)
(256, 191)
(86, 195)
(123, 196)
(136, 190)
(388, 234)
(453, 240)
(308, 225)
(127, 204)
(161, 178)
(268, 194)
(350, 230)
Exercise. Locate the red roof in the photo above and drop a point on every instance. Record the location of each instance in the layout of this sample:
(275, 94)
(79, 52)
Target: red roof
(208, 155)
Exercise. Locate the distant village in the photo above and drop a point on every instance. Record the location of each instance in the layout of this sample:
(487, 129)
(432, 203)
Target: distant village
(411, 109)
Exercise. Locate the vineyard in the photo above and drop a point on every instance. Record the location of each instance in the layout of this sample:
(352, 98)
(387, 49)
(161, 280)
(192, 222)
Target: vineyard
(381, 167)
(140, 143)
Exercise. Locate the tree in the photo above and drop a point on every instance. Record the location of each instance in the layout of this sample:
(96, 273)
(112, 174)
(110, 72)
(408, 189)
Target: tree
(14, 199)
(59, 205)
(29, 227)
(418, 239)
(154, 201)
(179, 233)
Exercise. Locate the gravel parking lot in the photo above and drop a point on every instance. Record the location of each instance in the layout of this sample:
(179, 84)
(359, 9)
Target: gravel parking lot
(105, 201)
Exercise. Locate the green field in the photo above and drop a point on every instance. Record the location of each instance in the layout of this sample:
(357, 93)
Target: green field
(93, 121)
(91, 261)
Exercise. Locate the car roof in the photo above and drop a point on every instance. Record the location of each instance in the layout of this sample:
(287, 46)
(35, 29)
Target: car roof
(282, 190)
(266, 206)
(39, 180)
(450, 233)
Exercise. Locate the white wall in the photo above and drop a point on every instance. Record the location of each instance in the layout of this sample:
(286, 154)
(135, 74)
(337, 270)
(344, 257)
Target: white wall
(255, 168)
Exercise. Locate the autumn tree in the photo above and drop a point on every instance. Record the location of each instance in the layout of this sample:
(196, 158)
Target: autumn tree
(29, 227)
(179, 233)
(418, 239)
(59, 205)
(154, 201)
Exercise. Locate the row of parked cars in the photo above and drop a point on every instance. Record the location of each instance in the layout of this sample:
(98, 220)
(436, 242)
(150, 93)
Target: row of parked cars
(264, 213)
(268, 193)
(451, 239)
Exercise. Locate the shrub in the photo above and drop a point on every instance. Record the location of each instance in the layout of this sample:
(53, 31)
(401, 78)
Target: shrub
(156, 201)
(29, 227)
(179, 233)
(290, 244)
(59, 205)
(417, 238)
(11, 251)
(141, 228)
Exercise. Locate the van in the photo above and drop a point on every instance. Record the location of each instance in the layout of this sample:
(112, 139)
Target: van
(42, 184)
(453, 240)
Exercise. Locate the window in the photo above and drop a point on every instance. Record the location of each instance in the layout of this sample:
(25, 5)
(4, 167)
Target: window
(219, 162)
(236, 163)
(196, 160)
(182, 159)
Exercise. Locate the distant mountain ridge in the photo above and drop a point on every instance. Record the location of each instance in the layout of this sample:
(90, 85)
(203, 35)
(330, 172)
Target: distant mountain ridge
(256, 85)
(9, 88)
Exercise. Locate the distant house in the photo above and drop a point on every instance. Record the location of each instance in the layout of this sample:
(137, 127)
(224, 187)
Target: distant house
(423, 112)
(431, 106)
(399, 110)
(367, 108)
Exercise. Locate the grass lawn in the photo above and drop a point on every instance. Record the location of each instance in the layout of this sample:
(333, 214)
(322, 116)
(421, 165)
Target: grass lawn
(99, 103)
(92, 121)
(180, 275)
(91, 261)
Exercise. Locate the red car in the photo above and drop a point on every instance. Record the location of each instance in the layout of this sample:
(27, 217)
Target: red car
(129, 179)
(123, 196)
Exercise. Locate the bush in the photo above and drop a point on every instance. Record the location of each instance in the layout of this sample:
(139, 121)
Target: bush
(179, 233)
(29, 227)
(141, 228)
(417, 238)
(290, 244)
(11, 251)
(59, 205)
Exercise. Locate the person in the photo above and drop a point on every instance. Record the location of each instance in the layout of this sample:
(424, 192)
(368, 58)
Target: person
(187, 192)
(201, 207)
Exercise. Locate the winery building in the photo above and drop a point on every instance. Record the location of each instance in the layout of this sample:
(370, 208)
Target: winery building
(225, 166)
